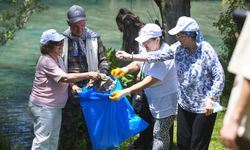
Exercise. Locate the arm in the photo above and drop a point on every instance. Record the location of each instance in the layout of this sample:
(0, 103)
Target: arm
(216, 71)
(146, 82)
(243, 103)
(229, 130)
(152, 56)
(132, 67)
(74, 77)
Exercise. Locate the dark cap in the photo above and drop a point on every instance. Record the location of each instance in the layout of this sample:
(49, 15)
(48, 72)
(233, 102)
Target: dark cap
(239, 17)
(76, 13)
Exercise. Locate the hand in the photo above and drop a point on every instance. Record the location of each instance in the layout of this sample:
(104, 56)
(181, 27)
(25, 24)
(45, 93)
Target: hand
(209, 106)
(117, 95)
(228, 135)
(94, 75)
(119, 72)
(76, 89)
(122, 55)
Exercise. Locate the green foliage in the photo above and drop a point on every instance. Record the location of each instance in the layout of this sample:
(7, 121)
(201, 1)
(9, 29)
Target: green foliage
(15, 19)
(4, 143)
(227, 28)
(126, 80)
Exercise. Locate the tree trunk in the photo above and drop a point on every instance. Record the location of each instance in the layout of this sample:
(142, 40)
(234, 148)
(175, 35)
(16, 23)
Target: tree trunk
(170, 11)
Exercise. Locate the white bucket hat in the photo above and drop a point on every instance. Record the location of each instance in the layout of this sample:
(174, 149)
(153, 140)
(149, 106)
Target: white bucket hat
(184, 24)
(51, 35)
(150, 30)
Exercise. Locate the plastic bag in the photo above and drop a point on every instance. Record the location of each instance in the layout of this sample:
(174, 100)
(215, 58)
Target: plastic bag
(109, 122)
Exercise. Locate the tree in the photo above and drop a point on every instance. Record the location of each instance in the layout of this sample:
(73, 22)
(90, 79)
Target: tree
(227, 27)
(170, 11)
(13, 20)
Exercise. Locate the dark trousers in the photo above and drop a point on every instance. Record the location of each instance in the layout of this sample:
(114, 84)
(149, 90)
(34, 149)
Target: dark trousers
(194, 130)
(73, 129)
(145, 139)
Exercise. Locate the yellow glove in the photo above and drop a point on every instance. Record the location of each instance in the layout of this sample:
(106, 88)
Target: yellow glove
(119, 72)
(117, 95)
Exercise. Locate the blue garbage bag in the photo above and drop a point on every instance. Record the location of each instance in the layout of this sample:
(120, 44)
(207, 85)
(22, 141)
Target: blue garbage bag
(109, 122)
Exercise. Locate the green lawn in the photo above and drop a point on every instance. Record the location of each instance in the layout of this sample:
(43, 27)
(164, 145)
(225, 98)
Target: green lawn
(215, 143)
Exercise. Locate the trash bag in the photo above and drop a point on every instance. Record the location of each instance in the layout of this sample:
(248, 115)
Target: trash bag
(109, 122)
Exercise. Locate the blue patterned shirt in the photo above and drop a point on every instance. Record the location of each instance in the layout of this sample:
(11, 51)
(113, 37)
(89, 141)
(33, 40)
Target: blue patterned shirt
(200, 75)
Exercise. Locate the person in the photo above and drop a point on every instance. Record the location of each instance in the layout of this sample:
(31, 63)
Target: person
(235, 130)
(130, 25)
(50, 91)
(200, 79)
(83, 51)
(159, 84)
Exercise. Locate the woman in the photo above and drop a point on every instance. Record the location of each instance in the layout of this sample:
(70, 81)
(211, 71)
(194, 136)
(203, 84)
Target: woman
(129, 24)
(201, 82)
(50, 91)
(235, 132)
(159, 84)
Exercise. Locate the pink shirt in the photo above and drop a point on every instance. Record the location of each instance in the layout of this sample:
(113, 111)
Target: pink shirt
(46, 88)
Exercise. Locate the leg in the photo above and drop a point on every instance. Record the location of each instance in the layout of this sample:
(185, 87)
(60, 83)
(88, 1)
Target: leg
(56, 131)
(184, 128)
(73, 130)
(44, 127)
(171, 134)
(146, 136)
(161, 139)
(202, 130)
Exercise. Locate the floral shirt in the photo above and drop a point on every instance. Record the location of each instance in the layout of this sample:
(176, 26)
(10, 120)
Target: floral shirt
(200, 75)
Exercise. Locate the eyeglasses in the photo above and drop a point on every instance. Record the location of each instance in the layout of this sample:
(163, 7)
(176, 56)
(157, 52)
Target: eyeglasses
(179, 36)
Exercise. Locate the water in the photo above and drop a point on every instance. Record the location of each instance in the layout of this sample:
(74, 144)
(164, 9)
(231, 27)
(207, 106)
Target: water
(18, 57)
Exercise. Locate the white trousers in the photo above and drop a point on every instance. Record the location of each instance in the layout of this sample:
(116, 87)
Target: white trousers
(47, 124)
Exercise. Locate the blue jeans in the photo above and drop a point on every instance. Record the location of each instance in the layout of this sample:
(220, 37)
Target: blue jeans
(47, 124)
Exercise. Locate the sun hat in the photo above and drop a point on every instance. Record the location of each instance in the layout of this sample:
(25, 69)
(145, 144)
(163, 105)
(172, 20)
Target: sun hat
(51, 35)
(150, 30)
(184, 24)
(76, 13)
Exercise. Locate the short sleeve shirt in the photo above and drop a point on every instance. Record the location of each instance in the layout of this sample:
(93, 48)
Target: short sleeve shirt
(162, 96)
(47, 90)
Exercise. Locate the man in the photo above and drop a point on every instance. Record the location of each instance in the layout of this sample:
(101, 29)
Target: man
(235, 132)
(83, 52)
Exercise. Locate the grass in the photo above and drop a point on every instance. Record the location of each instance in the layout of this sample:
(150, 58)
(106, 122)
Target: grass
(215, 143)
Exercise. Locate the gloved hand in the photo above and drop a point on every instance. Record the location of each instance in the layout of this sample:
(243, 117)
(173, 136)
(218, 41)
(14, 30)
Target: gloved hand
(117, 95)
(119, 72)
